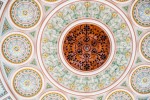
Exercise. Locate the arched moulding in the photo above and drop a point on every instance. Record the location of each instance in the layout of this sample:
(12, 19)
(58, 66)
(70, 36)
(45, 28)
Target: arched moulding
(55, 95)
(139, 80)
(3, 4)
(140, 13)
(144, 47)
(52, 1)
(122, 1)
(112, 47)
(16, 48)
(27, 83)
(121, 94)
(24, 17)
(52, 29)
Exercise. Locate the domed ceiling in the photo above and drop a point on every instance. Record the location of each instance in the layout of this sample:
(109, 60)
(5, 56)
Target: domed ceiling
(75, 49)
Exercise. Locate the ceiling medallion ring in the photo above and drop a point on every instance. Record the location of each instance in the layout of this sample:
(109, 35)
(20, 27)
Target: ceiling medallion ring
(58, 74)
(140, 13)
(25, 18)
(55, 95)
(24, 82)
(121, 94)
(144, 47)
(139, 80)
(105, 29)
(15, 46)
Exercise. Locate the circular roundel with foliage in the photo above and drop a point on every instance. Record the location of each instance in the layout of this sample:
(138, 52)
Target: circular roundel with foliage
(86, 46)
(141, 12)
(140, 79)
(53, 95)
(145, 46)
(120, 94)
(27, 82)
(25, 13)
(17, 48)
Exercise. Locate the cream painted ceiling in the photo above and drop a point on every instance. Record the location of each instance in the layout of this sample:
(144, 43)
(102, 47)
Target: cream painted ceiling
(75, 50)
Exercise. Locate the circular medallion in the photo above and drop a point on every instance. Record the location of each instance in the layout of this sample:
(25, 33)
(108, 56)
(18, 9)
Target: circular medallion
(16, 48)
(25, 13)
(145, 46)
(109, 24)
(120, 94)
(140, 79)
(86, 47)
(90, 22)
(141, 12)
(53, 95)
(27, 82)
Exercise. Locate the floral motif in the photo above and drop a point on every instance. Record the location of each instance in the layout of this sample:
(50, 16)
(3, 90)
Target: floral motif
(27, 82)
(141, 12)
(145, 46)
(62, 76)
(25, 13)
(120, 95)
(86, 47)
(140, 79)
(53, 95)
(16, 48)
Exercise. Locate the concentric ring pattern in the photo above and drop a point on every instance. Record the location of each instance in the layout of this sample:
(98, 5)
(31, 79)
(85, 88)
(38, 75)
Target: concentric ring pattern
(145, 46)
(140, 79)
(27, 82)
(74, 49)
(86, 47)
(68, 14)
(53, 95)
(141, 12)
(16, 48)
(120, 95)
(25, 13)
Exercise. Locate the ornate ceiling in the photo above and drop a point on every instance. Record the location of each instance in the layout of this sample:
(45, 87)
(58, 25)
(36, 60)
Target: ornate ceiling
(75, 49)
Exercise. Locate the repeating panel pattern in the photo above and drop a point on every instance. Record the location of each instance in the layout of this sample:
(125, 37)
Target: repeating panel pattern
(74, 50)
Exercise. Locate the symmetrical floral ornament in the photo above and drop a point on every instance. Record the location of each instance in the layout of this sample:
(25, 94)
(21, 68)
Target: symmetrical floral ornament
(144, 47)
(53, 95)
(140, 79)
(25, 14)
(86, 47)
(27, 82)
(61, 18)
(93, 56)
(120, 94)
(141, 13)
(16, 48)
